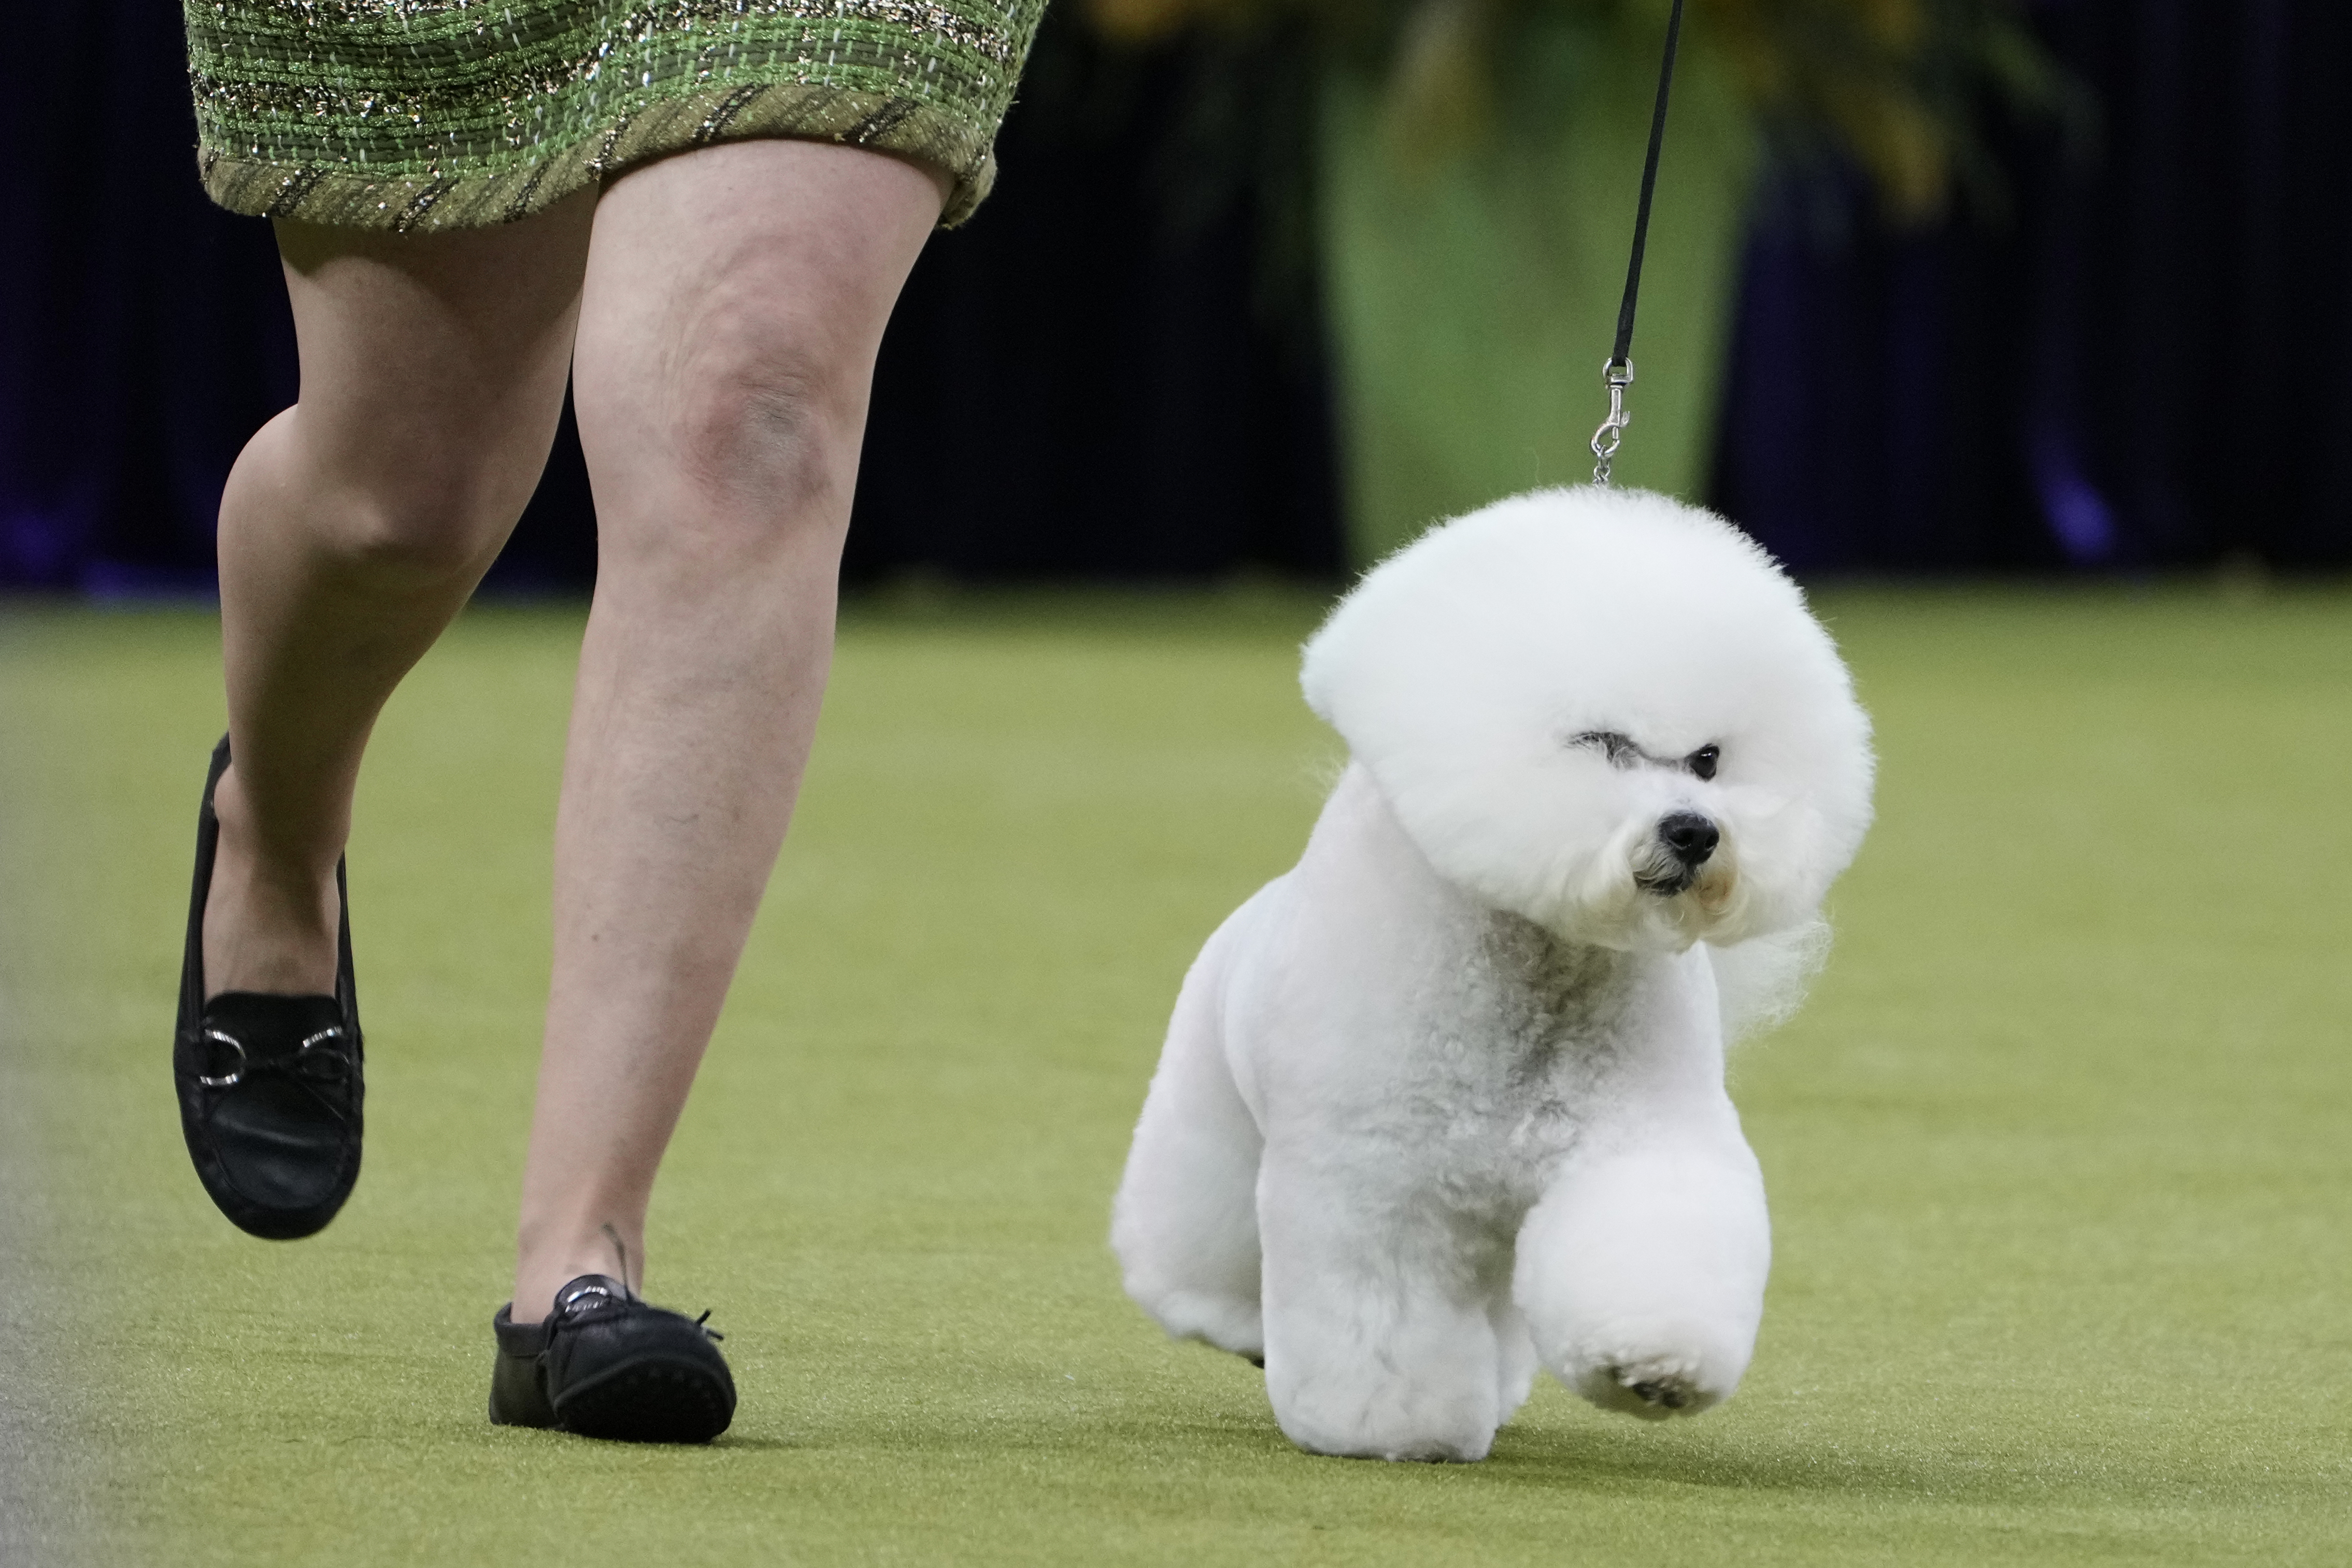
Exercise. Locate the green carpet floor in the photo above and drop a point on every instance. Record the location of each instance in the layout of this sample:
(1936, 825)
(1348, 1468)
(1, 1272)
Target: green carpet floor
(2060, 1153)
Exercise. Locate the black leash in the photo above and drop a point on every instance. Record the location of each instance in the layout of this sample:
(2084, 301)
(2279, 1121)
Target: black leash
(1618, 373)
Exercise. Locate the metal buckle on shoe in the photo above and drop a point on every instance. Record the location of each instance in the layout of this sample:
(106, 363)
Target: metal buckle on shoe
(302, 1053)
(584, 1298)
(230, 1079)
(301, 1062)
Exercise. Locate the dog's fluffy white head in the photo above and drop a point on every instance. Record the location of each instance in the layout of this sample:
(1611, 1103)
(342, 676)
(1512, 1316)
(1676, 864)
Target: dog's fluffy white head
(1541, 689)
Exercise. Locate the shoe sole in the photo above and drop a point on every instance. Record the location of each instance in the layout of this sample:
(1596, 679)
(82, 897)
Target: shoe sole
(649, 1399)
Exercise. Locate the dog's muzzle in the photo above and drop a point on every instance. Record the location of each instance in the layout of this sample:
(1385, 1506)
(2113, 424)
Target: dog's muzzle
(1683, 842)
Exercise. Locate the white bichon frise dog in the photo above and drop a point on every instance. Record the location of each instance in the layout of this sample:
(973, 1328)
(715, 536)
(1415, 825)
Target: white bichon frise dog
(1446, 1101)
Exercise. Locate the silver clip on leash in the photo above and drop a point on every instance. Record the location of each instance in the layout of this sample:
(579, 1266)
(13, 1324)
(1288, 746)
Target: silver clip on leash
(1618, 373)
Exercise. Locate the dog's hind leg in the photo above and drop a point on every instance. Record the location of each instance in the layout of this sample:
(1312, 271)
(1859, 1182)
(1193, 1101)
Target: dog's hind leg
(1184, 1224)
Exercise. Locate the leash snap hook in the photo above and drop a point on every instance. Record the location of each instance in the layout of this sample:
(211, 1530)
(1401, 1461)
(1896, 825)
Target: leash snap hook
(1617, 374)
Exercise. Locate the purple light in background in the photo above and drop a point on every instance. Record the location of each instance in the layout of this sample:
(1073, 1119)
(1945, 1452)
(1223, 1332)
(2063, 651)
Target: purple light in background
(2078, 516)
(38, 549)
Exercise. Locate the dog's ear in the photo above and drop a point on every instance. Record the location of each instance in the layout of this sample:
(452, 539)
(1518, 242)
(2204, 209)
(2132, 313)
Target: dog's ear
(1759, 983)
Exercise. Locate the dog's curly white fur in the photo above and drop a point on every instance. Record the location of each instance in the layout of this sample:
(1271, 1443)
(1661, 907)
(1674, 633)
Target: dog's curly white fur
(1445, 1102)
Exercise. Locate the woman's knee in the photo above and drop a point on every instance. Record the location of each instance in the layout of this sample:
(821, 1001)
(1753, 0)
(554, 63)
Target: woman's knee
(424, 516)
(768, 432)
(410, 539)
(746, 449)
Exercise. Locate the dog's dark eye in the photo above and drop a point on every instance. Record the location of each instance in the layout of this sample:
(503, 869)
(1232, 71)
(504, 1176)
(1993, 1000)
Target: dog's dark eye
(1702, 761)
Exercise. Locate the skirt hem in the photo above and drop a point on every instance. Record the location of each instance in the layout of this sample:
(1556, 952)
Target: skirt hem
(431, 201)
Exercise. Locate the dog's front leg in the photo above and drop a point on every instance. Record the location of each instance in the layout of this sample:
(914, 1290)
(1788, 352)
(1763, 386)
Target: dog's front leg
(1641, 1267)
(1378, 1339)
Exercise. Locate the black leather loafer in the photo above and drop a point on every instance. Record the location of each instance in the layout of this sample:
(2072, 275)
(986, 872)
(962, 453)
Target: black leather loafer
(606, 1364)
(269, 1086)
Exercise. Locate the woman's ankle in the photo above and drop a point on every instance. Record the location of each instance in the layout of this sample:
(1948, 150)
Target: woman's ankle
(265, 929)
(544, 1267)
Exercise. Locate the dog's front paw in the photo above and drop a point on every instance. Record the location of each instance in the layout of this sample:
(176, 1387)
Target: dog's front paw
(1652, 1388)
(1366, 1412)
(1656, 1380)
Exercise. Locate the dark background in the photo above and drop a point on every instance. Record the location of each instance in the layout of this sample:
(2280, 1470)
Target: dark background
(2139, 357)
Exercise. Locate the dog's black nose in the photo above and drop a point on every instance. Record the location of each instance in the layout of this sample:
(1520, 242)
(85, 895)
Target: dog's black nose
(1689, 836)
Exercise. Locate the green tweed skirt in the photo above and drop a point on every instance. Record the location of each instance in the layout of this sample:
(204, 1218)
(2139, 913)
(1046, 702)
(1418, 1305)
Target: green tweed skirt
(418, 115)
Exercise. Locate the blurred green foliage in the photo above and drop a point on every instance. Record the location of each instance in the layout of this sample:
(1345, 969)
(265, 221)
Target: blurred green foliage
(1900, 88)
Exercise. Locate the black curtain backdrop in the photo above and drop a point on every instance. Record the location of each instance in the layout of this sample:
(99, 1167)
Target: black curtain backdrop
(1116, 370)
(144, 333)
(2145, 363)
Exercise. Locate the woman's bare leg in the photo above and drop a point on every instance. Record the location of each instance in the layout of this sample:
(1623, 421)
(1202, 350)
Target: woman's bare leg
(735, 298)
(353, 527)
